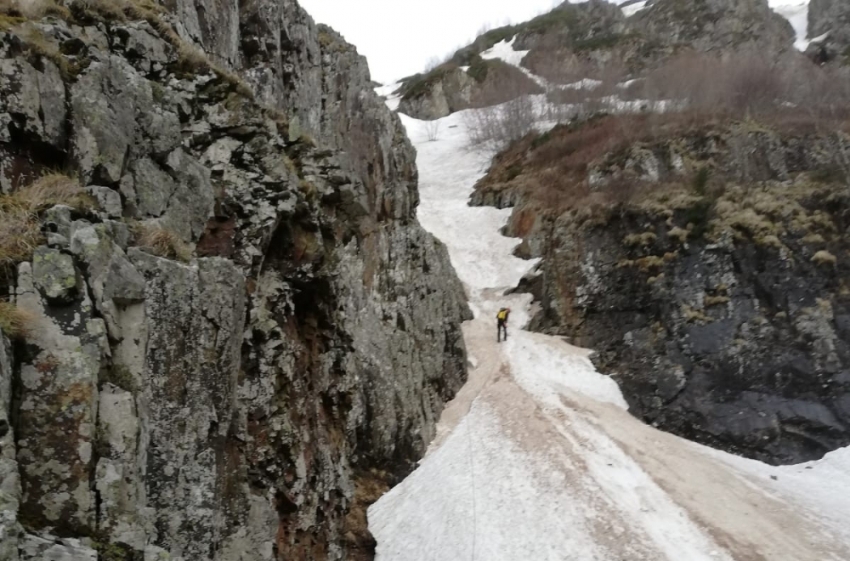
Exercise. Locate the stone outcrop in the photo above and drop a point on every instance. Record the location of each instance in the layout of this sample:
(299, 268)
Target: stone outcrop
(714, 25)
(249, 337)
(829, 22)
(715, 293)
(451, 88)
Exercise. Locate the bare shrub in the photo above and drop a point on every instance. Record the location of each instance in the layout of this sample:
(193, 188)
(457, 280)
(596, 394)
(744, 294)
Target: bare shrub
(50, 190)
(497, 126)
(432, 130)
(749, 84)
(495, 123)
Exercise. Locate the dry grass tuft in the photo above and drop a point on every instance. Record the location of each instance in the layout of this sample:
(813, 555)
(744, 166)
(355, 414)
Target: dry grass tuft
(193, 59)
(33, 9)
(823, 257)
(710, 301)
(643, 240)
(50, 190)
(692, 315)
(679, 234)
(161, 242)
(15, 322)
(20, 227)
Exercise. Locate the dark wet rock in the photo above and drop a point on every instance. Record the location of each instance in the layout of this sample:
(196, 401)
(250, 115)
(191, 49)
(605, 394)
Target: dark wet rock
(722, 315)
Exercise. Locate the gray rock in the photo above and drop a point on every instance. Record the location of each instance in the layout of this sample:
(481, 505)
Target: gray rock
(36, 98)
(103, 103)
(114, 281)
(141, 43)
(187, 395)
(230, 408)
(831, 18)
(59, 383)
(118, 478)
(191, 203)
(55, 276)
(37, 548)
(58, 220)
(108, 199)
(10, 484)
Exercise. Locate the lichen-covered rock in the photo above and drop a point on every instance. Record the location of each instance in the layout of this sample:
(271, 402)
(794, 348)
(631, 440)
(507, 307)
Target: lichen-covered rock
(715, 25)
(261, 336)
(55, 549)
(59, 376)
(55, 276)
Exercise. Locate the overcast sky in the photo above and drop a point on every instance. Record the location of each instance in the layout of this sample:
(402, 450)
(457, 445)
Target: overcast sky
(400, 36)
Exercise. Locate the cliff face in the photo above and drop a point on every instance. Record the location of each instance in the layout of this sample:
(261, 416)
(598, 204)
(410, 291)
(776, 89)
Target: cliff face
(830, 18)
(708, 270)
(247, 336)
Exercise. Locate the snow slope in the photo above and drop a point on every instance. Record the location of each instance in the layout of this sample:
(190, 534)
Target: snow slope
(388, 92)
(796, 12)
(537, 458)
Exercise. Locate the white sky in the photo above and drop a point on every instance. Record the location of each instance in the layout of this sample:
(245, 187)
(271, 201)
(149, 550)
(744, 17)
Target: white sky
(399, 37)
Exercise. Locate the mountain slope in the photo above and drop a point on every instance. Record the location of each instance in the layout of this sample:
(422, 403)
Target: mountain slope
(581, 40)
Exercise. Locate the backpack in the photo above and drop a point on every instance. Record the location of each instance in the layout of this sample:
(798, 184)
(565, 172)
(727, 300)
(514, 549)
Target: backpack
(502, 315)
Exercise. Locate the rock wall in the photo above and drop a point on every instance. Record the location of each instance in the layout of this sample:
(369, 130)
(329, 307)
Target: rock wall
(829, 20)
(718, 299)
(248, 390)
(451, 88)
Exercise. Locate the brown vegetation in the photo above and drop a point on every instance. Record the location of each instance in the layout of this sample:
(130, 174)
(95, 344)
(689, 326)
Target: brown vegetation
(15, 322)
(20, 227)
(706, 96)
(160, 241)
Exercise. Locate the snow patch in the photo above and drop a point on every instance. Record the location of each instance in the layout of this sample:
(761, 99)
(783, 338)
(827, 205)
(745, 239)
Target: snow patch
(504, 50)
(797, 13)
(387, 91)
(632, 9)
(585, 84)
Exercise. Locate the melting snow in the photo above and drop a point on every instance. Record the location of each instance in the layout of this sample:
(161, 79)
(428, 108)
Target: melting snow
(537, 457)
(586, 84)
(632, 9)
(796, 12)
(504, 50)
(388, 91)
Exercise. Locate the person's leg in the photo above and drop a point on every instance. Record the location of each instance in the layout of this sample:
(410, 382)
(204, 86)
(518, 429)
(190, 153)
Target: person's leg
(498, 332)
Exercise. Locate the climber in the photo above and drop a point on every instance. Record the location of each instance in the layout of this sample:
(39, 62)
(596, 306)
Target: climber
(502, 324)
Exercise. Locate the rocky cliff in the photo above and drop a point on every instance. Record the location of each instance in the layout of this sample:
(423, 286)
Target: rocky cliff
(230, 334)
(829, 22)
(707, 265)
